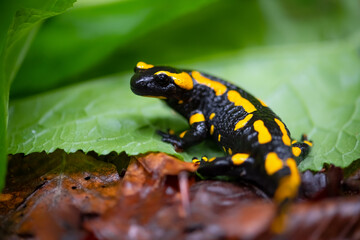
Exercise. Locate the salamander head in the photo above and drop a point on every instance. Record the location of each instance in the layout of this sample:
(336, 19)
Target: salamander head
(159, 81)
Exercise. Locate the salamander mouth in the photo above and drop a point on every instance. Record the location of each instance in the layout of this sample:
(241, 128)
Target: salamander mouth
(144, 86)
(139, 85)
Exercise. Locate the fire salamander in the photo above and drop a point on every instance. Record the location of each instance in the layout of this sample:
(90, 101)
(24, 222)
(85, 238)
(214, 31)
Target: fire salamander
(259, 146)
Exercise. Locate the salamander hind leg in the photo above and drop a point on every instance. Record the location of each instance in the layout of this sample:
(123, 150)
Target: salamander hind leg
(230, 166)
(301, 149)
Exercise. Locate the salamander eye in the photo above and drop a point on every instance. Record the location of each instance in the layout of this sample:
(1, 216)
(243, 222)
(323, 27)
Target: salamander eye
(162, 80)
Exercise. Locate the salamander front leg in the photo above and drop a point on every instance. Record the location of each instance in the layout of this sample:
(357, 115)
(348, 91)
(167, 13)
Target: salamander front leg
(301, 149)
(197, 133)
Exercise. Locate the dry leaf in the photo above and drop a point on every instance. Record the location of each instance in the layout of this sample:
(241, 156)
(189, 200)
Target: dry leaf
(76, 196)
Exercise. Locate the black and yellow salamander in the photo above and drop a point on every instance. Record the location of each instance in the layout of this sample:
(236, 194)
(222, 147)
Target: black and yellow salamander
(258, 143)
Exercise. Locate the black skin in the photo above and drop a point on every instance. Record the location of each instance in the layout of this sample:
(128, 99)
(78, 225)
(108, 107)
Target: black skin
(202, 99)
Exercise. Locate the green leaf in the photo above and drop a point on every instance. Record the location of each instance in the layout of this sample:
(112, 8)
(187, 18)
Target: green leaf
(101, 115)
(18, 24)
(314, 88)
(85, 36)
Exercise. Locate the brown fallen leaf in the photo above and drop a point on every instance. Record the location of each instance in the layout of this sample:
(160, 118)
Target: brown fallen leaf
(154, 213)
(63, 189)
(79, 197)
(335, 218)
(136, 179)
(24, 175)
(151, 170)
(160, 164)
(323, 184)
(146, 191)
(326, 219)
(70, 184)
(220, 210)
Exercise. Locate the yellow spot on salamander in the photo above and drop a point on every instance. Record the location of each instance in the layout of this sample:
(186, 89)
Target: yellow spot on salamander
(195, 160)
(224, 149)
(264, 135)
(205, 159)
(182, 134)
(288, 185)
(273, 163)
(293, 142)
(218, 87)
(171, 131)
(230, 151)
(212, 116)
(212, 129)
(197, 117)
(219, 137)
(180, 102)
(239, 158)
(262, 102)
(182, 79)
(143, 65)
(243, 122)
(160, 97)
(285, 137)
(308, 143)
(238, 100)
(296, 151)
(212, 159)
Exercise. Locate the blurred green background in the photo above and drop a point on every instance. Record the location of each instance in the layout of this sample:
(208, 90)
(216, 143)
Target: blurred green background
(97, 38)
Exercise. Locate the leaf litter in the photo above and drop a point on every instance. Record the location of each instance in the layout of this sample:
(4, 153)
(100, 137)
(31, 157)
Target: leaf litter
(86, 196)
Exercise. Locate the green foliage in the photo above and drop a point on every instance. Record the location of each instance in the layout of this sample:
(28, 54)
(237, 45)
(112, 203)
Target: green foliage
(85, 36)
(301, 57)
(91, 42)
(18, 23)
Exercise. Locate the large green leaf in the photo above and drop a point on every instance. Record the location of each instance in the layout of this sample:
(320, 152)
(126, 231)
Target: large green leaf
(18, 23)
(313, 87)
